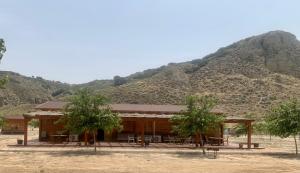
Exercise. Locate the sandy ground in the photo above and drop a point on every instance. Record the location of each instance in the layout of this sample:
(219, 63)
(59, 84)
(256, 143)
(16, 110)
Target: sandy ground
(277, 157)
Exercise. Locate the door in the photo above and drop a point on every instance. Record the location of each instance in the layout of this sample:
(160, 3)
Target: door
(100, 135)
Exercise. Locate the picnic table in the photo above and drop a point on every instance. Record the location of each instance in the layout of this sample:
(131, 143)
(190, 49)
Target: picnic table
(218, 139)
(58, 137)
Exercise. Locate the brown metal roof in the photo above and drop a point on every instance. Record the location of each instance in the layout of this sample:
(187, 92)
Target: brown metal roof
(122, 108)
(42, 113)
(138, 115)
(140, 108)
(125, 108)
(52, 105)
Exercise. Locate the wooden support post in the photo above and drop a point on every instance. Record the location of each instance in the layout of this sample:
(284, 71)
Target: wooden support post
(25, 131)
(85, 138)
(143, 132)
(222, 133)
(40, 129)
(153, 128)
(249, 130)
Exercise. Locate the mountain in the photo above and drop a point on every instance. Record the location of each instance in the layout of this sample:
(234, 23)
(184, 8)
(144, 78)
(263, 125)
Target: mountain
(30, 90)
(247, 77)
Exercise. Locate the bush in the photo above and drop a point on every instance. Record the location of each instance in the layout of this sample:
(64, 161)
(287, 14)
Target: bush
(119, 80)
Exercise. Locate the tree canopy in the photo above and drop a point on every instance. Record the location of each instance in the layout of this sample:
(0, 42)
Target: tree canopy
(2, 51)
(2, 48)
(258, 127)
(284, 120)
(2, 122)
(119, 80)
(88, 112)
(198, 118)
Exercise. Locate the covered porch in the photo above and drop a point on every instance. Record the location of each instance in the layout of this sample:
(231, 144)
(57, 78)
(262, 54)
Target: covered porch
(138, 130)
(47, 124)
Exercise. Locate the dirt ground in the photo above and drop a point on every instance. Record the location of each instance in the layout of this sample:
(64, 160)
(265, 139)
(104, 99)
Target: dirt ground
(278, 156)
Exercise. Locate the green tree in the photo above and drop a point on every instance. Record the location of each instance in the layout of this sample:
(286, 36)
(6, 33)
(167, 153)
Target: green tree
(197, 119)
(2, 122)
(34, 123)
(2, 51)
(88, 112)
(284, 120)
(119, 80)
(2, 48)
(241, 129)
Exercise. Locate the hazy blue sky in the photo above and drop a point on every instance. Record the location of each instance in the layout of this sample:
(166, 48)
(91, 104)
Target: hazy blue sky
(79, 41)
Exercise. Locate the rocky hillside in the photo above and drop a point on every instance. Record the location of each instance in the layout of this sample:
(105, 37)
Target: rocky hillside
(247, 76)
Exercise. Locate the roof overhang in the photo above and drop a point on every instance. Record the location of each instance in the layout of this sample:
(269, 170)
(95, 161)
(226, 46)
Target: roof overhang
(57, 114)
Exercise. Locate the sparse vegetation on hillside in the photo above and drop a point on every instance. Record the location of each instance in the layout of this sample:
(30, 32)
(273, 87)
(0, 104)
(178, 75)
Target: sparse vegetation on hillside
(248, 76)
(30, 90)
(16, 110)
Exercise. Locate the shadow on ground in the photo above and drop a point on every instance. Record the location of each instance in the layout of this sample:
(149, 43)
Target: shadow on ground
(189, 154)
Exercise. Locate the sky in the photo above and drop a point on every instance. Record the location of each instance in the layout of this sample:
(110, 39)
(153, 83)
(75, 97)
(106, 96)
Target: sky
(79, 41)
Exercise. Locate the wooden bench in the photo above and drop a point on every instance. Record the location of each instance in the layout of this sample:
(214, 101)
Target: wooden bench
(255, 145)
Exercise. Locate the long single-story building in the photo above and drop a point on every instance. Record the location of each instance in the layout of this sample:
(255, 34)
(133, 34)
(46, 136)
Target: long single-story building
(139, 122)
(14, 124)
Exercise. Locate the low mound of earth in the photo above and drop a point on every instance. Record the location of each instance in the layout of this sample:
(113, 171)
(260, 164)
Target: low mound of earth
(248, 76)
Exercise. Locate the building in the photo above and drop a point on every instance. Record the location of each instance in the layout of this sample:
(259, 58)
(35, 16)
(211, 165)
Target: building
(138, 121)
(14, 124)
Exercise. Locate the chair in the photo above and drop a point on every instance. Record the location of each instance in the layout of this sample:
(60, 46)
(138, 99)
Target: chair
(43, 135)
(226, 140)
(148, 138)
(170, 139)
(157, 138)
(206, 141)
(188, 140)
(73, 138)
(131, 138)
(139, 139)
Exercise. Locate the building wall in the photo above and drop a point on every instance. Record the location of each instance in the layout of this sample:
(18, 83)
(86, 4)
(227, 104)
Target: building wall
(131, 126)
(13, 126)
(49, 127)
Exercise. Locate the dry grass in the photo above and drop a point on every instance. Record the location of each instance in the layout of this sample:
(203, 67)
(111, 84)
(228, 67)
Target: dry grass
(277, 157)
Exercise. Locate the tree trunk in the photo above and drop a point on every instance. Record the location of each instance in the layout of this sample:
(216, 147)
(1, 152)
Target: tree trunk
(296, 144)
(200, 140)
(94, 134)
(85, 138)
(197, 139)
(201, 143)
